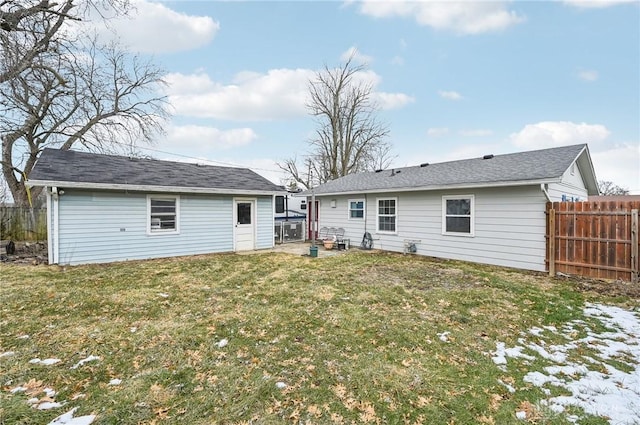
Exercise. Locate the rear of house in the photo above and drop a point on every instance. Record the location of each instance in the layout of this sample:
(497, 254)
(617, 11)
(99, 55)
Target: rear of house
(488, 210)
(104, 208)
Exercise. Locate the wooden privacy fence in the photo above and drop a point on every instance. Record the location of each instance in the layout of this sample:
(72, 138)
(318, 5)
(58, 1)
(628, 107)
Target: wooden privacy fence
(594, 239)
(23, 224)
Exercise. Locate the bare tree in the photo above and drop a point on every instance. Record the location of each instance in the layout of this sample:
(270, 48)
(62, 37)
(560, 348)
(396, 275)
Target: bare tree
(610, 188)
(76, 91)
(348, 138)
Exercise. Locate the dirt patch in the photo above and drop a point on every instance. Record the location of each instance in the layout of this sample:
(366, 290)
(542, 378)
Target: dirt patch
(32, 253)
(612, 288)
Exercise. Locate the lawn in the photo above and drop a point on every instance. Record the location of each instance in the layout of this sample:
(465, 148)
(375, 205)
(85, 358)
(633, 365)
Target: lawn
(272, 338)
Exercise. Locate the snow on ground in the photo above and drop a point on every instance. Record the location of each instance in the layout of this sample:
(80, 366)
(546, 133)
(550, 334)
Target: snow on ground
(68, 419)
(85, 360)
(605, 383)
(48, 402)
(45, 362)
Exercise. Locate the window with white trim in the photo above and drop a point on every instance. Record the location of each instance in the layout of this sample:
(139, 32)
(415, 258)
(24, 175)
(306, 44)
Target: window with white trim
(280, 204)
(386, 215)
(356, 209)
(457, 215)
(163, 213)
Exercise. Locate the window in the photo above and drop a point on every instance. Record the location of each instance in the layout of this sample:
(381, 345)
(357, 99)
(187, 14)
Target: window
(356, 209)
(457, 215)
(163, 214)
(244, 212)
(387, 215)
(279, 204)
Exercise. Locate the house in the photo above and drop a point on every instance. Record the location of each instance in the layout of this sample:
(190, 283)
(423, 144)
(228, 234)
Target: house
(487, 210)
(103, 208)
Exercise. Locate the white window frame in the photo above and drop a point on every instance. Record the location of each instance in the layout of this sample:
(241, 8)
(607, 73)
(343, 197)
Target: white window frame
(156, 232)
(472, 215)
(364, 209)
(386, 232)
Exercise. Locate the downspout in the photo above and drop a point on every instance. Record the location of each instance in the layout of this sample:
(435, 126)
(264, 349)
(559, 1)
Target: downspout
(545, 189)
(366, 207)
(55, 236)
(49, 226)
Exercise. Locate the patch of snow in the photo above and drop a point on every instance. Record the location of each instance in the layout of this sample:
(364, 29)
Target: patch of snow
(163, 295)
(23, 337)
(17, 390)
(281, 385)
(536, 331)
(500, 354)
(33, 400)
(516, 352)
(133, 329)
(522, 415)
(509, 387)
(7, 354)
(45, 362)
(115, 382)
(68, 419)
(539, 379)
(91, 358)
(49, 392)
(48, 405)
(443, 336)
(595, 386)
(223, 343)
(557, 357)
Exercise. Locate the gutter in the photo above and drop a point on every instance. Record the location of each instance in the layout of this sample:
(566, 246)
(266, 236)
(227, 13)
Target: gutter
(439, 187)
(147, 188)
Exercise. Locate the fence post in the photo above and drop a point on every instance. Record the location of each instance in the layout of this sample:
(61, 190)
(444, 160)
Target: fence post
(634, 246)
(552, 242)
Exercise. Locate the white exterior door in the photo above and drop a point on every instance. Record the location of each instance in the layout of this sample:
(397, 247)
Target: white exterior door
(244, 218)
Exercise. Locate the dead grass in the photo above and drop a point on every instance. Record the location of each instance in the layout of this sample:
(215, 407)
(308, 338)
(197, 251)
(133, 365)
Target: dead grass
(356, 338)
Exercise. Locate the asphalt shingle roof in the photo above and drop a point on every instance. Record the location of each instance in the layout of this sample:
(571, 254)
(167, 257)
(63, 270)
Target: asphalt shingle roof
(56, 165)
(539, 165)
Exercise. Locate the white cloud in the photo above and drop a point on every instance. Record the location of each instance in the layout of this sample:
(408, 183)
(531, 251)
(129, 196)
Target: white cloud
(480, 132)
(463, 17)
(450, 95)
(437, 132)
(391, 100)
(588, 75)
(278, 94)
(597, 4)
(201, 140)
(548, 134)
(620, 164)
(359, 57)
(155, 28)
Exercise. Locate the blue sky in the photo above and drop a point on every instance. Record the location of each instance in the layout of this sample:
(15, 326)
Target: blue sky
(453, 80)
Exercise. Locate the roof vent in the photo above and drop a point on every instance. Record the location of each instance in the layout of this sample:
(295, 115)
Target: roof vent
(424, 164)
(379, 170)
(488, 156)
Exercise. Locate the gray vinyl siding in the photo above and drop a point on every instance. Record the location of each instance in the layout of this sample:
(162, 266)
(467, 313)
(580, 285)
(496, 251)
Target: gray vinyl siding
(100, 227)
(509, 225)
(265, 229)
(571, 187)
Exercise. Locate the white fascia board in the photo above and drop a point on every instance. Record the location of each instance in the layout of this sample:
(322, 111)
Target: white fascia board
(145, 188)
(445, 187)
